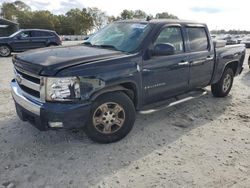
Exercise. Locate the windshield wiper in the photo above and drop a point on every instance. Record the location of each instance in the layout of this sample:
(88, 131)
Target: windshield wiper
(101, 46)
(87, 43)
(107, 46)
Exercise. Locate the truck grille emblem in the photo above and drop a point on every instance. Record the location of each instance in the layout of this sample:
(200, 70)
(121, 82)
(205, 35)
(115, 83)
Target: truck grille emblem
(18, 78)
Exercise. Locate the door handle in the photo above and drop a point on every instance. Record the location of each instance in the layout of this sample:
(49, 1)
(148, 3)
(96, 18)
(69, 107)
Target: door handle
(210, 58)
(183, 63)
(146, 70)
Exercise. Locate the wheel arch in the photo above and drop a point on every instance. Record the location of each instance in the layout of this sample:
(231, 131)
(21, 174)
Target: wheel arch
(129, 88)
(219, 71)
(233, 65)
(6, 44)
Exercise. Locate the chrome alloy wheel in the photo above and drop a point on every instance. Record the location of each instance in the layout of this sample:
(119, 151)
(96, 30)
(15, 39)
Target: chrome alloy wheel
(4, 51)
(108, 118)
(227, 82)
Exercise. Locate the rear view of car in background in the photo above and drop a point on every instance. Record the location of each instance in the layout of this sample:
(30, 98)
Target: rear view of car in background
(246, 41)
(27, 39)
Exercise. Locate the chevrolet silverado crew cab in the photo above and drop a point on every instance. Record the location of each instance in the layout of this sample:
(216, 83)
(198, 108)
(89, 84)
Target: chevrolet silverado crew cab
(127, 66)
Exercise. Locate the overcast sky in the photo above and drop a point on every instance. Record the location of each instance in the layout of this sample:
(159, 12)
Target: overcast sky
(218, 14)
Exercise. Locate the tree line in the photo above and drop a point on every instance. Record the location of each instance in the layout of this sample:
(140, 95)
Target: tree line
(74, 22)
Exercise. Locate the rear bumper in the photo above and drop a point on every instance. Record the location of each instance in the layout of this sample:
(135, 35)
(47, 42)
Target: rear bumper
(41, 115)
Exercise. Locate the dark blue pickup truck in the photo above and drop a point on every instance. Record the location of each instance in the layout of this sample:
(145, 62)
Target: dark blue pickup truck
(127, 66)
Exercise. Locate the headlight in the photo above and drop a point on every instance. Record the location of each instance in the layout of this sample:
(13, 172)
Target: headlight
(61, 89)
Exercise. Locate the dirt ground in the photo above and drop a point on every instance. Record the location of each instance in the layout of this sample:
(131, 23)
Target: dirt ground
(200, 143)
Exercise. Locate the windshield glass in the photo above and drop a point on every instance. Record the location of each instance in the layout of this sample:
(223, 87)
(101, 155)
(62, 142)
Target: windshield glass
(120, 36)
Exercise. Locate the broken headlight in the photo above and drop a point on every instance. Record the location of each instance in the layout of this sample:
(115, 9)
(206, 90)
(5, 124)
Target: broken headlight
(61, 89)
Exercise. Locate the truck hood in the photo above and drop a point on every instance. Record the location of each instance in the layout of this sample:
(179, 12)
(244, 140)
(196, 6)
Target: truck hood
(49, 61)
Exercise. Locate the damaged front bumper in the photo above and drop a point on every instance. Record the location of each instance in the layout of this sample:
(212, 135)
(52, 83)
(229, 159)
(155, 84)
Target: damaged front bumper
(49, 115)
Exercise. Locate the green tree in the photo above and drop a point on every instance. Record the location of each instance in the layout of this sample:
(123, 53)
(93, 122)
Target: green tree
(42, 20)
(21, 6)
(99, 17)
(127, 14)
(24, 19)
(139, 14)
(80, 20)
(74, 22)
(11, 11)
(165, 15)
(8, 11)
(65, 26)
(113, 18)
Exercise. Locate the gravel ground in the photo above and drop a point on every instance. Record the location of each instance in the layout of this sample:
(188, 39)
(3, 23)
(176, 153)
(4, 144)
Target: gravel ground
(201, 143)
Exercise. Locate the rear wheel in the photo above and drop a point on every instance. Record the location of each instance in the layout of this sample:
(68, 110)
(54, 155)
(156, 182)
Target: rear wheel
(223, 87)
(52, 44)
(5, 51)
(112, 117)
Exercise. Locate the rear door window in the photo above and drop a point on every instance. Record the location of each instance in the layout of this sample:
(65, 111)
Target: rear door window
(197, 37)
(41, 34)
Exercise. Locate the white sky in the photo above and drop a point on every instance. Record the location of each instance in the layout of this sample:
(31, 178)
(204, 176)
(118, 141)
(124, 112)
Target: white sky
(218, 14)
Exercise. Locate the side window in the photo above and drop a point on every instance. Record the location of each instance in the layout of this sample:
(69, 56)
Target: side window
(45, 34)
(37, 34)
(40, 34)
(197, 37)
(49, 34)
(25, 34)
(171, 35)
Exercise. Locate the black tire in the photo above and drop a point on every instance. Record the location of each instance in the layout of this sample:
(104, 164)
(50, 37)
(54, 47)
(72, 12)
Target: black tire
(52, 45)
(5, 51)
(223, 87)
(95, 128)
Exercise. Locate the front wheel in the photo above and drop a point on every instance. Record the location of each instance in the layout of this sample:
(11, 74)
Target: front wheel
(112, 117)
(223, 87)
(5, 51)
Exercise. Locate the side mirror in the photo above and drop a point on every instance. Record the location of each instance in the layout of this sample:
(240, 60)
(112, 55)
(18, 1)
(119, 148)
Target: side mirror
(86, 38)
(163, 49)
(219, 43)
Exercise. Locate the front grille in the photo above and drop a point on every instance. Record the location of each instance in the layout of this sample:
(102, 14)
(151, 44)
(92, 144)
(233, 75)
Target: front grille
(30, 91)
(28, 82)
(28, 77)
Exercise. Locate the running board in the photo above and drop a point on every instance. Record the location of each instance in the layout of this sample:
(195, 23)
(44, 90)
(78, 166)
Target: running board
(178, 99)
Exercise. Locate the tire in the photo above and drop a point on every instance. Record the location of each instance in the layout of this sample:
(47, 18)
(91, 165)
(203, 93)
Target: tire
(223, 87)
(111, 119)
(52, 45)
(5, 51)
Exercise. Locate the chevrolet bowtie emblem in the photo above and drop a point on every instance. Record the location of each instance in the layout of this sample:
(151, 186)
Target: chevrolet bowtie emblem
(18, 78)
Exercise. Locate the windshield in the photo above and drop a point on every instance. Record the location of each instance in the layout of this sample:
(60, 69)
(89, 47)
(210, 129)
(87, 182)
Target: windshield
(121, 36)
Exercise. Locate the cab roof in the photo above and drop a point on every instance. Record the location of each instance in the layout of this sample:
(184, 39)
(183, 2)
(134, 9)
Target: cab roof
(165, 21)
